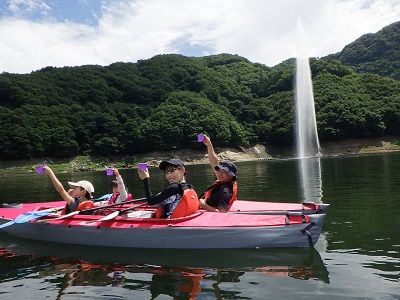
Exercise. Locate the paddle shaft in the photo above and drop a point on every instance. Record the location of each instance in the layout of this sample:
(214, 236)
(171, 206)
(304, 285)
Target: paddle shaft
(94, 209)
(106, 196)
(30, 215)
(78, 211)
(112, 205)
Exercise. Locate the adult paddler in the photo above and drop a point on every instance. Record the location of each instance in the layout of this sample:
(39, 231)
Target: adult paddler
(222, 193)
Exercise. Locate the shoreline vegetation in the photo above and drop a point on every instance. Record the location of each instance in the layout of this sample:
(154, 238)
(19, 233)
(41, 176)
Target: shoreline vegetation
(258, 152)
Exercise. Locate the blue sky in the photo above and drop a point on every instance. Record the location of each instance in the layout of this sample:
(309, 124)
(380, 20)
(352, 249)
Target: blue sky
(85, 12)
(39, 33)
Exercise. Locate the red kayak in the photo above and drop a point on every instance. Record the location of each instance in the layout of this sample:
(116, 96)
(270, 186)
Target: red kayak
(259, 207)
(131, 226)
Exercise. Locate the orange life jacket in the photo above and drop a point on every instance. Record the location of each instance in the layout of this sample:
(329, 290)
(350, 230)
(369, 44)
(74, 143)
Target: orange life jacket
(215, 185)
(85, 205)
(188, 204)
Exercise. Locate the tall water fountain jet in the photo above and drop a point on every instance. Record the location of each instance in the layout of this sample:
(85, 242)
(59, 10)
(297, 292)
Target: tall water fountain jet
(306, 125)
(308, 147)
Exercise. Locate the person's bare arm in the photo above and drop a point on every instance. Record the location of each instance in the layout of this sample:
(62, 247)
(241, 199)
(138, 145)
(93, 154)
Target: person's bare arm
(212, 157)
(57, 184)
(204, 205)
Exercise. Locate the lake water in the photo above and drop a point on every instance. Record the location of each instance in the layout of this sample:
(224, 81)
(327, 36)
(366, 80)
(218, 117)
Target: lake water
(357, 256)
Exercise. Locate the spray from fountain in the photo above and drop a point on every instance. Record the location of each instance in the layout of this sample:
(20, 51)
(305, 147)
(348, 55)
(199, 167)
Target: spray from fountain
(308, 147)
(306, 125)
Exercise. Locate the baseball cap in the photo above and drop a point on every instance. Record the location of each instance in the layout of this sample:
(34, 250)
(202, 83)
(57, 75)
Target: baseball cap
(84, 184)
(173, 162)
(227, 166)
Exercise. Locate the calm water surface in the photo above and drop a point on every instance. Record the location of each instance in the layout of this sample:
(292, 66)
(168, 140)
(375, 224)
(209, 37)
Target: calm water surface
(357, 256)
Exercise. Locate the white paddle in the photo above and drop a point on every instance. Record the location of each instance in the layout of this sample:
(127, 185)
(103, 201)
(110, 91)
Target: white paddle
(93, 209)
(117, 213)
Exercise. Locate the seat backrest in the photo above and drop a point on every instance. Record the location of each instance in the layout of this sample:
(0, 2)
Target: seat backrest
(85, 205)
(188, 205)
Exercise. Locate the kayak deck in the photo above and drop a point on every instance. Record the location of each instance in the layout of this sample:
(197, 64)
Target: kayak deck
(250, 224)
(12, 210)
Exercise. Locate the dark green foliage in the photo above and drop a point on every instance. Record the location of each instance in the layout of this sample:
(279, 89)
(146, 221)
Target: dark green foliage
(176, 123)
(162, 103)
(375, 53)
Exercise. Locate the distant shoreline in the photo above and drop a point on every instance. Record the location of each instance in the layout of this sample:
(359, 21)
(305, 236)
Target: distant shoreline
(190, 157)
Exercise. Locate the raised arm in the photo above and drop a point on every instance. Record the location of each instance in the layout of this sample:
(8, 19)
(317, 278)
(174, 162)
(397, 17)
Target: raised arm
(123, 194)
(57, 184)
(212, 157)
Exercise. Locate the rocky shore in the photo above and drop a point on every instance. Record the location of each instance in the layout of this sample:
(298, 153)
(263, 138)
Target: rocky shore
(347, 147)
(257, 152)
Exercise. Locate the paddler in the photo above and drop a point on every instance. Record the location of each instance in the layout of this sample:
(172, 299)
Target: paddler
(220, 196)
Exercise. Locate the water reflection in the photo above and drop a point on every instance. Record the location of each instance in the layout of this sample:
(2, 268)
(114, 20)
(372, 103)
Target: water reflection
(183, 276)
(310, 179)
(360, 234)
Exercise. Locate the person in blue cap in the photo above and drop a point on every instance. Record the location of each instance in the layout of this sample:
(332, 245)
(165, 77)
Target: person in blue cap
(220, 196)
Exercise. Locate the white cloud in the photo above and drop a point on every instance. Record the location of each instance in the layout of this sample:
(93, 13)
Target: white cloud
(22, 7)
(261, 30)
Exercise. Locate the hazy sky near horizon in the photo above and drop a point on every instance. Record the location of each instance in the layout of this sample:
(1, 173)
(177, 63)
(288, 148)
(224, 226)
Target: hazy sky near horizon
(38, 33)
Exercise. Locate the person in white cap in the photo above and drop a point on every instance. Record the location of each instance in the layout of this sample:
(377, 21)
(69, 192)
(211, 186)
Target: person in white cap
(78, 197)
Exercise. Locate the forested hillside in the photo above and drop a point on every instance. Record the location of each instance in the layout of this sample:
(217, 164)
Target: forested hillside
(163, 102)
(374, 53)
